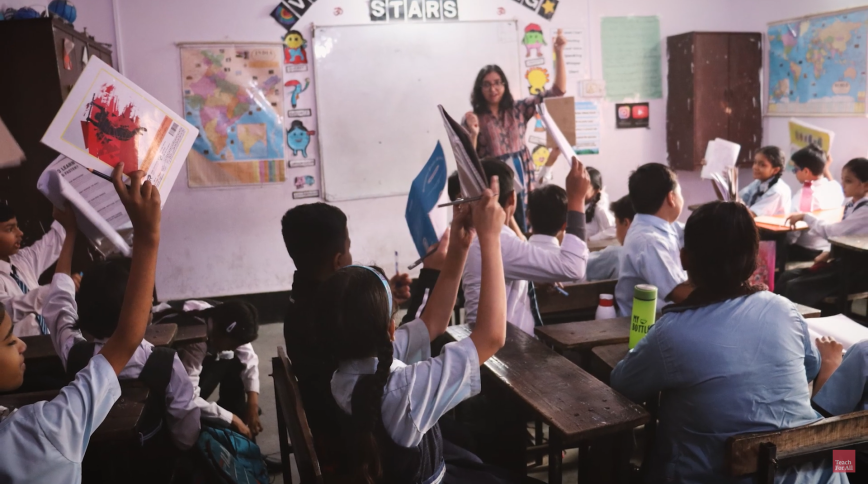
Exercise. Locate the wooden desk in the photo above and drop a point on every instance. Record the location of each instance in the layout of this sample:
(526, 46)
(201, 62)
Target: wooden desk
(161, 334)
(778, 233)
(188, 334)
(852, 250)
(575, 405)
(580, 304)
(598, 245)
(605, 358)
(120, 423)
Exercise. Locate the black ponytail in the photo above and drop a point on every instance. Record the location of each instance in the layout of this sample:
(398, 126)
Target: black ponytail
(775, 157)
(597, 184)
(352, 320)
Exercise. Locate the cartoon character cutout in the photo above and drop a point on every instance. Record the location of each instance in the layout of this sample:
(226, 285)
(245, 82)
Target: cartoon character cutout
(540, 156)
(294, 89)
(533, 39)
(539, 126)
(537, 78)
(294, 48)
(298, 138)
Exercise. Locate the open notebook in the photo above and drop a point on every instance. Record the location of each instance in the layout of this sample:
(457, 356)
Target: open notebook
(843, 329)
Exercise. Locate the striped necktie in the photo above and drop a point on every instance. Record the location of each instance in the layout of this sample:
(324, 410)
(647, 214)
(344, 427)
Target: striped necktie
(534, 307)
(43, 328)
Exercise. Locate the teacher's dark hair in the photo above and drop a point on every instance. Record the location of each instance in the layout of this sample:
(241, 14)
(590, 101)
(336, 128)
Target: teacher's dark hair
(477, 99)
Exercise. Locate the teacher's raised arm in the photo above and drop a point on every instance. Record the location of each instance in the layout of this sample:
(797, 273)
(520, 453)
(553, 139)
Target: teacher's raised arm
(497, 123)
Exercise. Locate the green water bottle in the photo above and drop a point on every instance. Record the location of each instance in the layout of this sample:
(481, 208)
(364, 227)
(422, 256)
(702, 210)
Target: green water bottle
(644, 312)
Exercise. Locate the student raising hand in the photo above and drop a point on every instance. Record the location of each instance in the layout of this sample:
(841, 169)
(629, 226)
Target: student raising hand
(142, 202)
(578, 186)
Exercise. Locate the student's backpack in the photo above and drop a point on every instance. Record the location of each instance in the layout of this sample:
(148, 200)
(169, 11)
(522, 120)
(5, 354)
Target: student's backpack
(156, 375)
(222, 456)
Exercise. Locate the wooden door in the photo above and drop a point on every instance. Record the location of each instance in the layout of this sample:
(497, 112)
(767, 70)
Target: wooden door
(711, 71)
(680, 104)
(744, 95)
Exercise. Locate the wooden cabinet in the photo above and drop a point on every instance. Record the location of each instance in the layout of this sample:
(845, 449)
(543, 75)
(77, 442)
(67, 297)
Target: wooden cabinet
(34, 83)
(714, 92)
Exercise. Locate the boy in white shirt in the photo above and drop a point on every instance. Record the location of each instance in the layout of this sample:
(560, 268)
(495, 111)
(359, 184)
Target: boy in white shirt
(817, 193)
(20, 270)
(652, 248)
(524, 262)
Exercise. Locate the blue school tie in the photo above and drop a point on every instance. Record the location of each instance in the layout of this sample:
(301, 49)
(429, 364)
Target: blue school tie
(534, 307)
(43, 328)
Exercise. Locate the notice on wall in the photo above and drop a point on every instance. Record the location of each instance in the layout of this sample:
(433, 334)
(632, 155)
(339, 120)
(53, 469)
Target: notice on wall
(631, 57)
(588, 122)
(575, 55)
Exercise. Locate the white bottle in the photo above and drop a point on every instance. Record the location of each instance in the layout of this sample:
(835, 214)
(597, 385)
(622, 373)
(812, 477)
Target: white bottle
(606, 309)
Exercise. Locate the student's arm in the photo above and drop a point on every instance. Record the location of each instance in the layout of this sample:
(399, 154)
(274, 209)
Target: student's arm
(183, 416)
(854, 224)
(471, 124)
(561, 70)
(441, 303)
(250, 378)
(846, 389)
(513, 225)
(489, 334)
(642, 373)
(142, 202)
(39, 256)
(831, 354)
(680, 293)
(659, 268)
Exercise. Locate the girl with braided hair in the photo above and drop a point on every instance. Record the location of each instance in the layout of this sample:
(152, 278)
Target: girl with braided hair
(390, 391)
(766, 194)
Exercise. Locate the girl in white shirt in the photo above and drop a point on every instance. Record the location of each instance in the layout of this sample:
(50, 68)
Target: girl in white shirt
(767, 194)
(599, 220)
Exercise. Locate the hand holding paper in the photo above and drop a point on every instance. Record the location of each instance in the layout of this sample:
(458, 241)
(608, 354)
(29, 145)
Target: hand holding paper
(578, 186)
(720, 155)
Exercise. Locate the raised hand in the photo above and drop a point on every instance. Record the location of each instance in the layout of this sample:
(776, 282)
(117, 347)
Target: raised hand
(142, 202)
(560, 42)
(472, 122)
(488, 215)
(578, 186)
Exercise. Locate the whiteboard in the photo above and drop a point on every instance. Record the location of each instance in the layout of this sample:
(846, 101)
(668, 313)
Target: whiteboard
(377, 90)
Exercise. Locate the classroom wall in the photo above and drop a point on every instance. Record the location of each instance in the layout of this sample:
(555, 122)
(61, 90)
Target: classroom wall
(227, 241)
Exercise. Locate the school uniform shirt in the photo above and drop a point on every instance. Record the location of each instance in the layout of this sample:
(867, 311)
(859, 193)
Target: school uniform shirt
(846, 390)
(524, 262)
(772, 201)
(46, 441)
(826, 194)
(182, 414)
(30, 263)
(602, 226)
(855, 221)
(651, 255)
(729, 368)
(420, 389)
(602, 264)
(193, 355)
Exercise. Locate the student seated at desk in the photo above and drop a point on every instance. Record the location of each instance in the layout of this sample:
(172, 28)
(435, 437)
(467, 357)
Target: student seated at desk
(819, 192)
(20, 269)
(604, 264)
(730, 359)
(46, 442)
(524, 262)
(767, 194)
(842, 384)
(811, 286)
(389, 390)
(227, 359)
(652, 246)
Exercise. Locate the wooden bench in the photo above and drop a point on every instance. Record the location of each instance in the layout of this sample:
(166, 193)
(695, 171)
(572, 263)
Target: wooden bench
(852, 250)
(760, 454)
(576, 406)
(292, 423)
(189, 334)
(581, 304)
(40, 348)
(598, 245)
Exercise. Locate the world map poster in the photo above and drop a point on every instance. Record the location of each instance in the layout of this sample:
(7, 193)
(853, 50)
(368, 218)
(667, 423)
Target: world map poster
(234, 95)
(817, 65)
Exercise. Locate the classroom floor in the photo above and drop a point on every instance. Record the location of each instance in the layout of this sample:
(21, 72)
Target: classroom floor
(270, 337)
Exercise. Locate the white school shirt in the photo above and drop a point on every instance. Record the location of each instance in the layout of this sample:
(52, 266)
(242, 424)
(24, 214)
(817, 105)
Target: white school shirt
(602, 264)
(182, 415)
(523, 262)
(46, 442)
(846, 390)
(420, 389)
(775, 201)
(193, 355)
(602, 226)
(651, 255)
(827, 194)
(31, 262)
(855, 221)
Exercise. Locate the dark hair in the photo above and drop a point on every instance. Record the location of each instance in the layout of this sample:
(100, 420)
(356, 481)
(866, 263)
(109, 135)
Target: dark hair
(241, 314)
(775, 157)
(859, 168)
(721, 243)
(352, 318)
(453, 186)
(623, 208)
(649, 186)
(3, 312)
(597, 184)
(477, 99)
(494, 167)
(6, 213)
(547, 207)
(313, 234)
(101, 296)
(812, 158)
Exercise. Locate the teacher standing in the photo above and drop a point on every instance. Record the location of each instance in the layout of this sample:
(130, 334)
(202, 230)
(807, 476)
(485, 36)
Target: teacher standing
(498, 123)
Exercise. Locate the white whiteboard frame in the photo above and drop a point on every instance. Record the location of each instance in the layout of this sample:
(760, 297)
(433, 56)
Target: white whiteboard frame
(323, 181)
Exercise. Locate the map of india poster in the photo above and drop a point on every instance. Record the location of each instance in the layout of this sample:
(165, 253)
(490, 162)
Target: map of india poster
(234, 95)
(817, 65)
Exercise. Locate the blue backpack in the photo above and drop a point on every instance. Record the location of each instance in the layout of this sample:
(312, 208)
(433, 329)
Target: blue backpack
(227, 457)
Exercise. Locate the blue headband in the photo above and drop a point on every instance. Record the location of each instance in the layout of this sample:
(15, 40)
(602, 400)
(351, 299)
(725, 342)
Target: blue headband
(383, 280)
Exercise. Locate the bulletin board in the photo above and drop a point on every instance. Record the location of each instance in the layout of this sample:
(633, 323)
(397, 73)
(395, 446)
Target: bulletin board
(378, 87)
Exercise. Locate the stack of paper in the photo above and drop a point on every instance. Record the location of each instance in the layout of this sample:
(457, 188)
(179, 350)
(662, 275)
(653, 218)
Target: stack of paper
(726, 184)
(843, 329)
(720, 155)
(470, 173)
(555, 133)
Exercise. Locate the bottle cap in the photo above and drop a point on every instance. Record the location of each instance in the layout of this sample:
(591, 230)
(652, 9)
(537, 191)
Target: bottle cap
(607, 300)
(645, 292)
